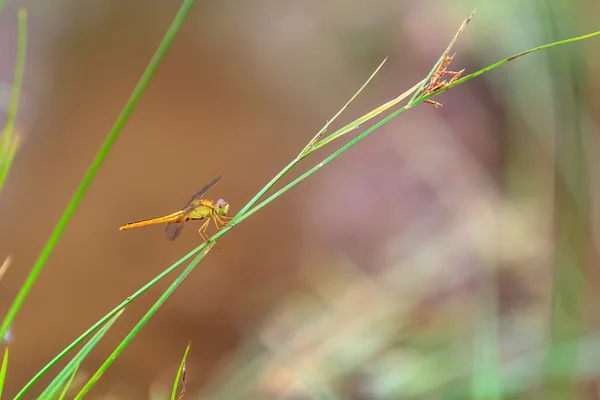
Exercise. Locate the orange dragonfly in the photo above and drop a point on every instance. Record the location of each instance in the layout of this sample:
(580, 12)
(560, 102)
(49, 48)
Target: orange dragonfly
(196, 209)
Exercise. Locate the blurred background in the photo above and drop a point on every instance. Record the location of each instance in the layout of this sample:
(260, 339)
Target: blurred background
(450, 237)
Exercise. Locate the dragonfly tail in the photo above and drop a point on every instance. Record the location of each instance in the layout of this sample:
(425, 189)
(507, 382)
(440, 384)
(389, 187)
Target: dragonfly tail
(175, 217)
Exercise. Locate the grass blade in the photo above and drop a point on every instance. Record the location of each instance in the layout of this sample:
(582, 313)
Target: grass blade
(69, 383)
(141, 323)
(180, 375)
(359, 121)
(315, 139)
(62, 377)
(108, 316)
(3, 371)
(8, 144)
(91, 172)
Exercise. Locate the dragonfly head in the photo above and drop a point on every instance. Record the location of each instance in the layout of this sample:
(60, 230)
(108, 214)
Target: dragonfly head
(222, 207)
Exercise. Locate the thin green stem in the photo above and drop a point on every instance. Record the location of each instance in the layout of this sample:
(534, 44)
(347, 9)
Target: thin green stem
(93, 169)
(103, 320)
(60, 379)
(180, 375)
(141, 324)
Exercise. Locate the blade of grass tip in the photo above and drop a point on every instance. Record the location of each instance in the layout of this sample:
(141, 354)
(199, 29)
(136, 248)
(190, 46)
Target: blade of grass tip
(180, 375)
(91, 172)
(108, 316)
(69, 383)
(301, 155)
(504, 61)
(125, 342)
(444, 55)
(310, 144)
(359, 121)
(60, 379)
(7, 135)
(3, 371)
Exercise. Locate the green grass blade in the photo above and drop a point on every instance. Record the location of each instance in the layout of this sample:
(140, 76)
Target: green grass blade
(69, 383)
(316, 138)
(359, 121)
(108, 316)
(307, 150)
(141, 323)
(8, 144)
(180, 375)
(62, 377)
(91, 172)
(3, 371)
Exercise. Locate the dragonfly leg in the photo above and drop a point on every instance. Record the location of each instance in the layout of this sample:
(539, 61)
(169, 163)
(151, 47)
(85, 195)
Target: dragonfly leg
(217, 218)
(202, 230)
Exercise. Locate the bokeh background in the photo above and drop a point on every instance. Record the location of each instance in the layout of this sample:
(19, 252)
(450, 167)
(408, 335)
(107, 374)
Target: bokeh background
(449, 233)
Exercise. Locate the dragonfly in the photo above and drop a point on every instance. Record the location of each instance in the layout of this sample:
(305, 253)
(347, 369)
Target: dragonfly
(197, 208)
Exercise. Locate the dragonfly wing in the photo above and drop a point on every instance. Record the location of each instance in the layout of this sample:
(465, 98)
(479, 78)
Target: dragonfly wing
(195, 200)
(172, 230)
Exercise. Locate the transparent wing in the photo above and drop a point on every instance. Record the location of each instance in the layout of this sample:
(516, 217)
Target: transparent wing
(172, 230)
(195, 200)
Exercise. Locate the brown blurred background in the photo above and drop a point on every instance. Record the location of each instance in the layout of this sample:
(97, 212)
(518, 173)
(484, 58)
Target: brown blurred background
(240, 92)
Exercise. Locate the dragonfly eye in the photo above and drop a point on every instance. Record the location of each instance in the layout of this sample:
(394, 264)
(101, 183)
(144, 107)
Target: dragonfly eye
(222, 206)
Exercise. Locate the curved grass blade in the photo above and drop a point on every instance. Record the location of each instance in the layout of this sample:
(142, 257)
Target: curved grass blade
(69, 383)
(69, 370)
(3, 370)
(359, 121)
(9, 144)
(125, 342)
(319, 134)
(307, 149)
(107, 317)
(91, 172)
(180, 376)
